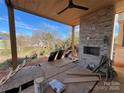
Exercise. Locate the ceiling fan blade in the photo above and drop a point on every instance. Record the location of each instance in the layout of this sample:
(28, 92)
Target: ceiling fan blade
(63, 10)
(80, 7)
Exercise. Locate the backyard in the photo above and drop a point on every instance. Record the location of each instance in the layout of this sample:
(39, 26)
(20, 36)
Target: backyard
(40, 43)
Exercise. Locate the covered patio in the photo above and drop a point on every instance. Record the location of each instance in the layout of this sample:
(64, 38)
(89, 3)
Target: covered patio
(50, 9)
(96, 37)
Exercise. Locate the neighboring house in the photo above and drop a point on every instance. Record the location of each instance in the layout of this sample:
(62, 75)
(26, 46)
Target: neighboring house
(4, 43)
(1, 42)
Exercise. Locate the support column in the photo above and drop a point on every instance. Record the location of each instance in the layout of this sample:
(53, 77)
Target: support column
(12, 33)
(120, 34)
(73, 39)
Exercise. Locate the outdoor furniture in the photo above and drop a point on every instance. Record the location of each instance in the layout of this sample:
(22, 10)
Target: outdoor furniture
(60, 54)
(52, 56)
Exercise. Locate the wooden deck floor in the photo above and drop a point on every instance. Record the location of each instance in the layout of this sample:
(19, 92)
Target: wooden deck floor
(56, 70)
(60, 74)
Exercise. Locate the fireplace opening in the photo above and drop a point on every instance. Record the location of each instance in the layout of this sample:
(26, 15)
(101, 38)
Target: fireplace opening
(92, 50)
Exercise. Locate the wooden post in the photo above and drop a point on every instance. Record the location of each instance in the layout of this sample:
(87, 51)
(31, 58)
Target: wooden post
(12, 33)
(120, 34)
(73, 39)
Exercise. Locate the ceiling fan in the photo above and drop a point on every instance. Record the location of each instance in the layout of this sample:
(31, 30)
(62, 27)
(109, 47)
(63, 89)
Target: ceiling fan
(72, 5)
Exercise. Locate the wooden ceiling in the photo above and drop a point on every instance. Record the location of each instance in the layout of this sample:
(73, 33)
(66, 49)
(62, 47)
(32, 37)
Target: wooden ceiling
(50, 8)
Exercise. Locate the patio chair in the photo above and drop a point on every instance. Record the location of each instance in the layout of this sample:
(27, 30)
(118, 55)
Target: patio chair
(60, 54)
(52, 56)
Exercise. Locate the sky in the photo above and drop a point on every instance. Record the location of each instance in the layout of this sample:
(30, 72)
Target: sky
(116, 26)
(27, 23)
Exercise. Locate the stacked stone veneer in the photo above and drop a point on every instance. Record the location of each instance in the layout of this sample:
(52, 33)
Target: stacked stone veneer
(94, 29)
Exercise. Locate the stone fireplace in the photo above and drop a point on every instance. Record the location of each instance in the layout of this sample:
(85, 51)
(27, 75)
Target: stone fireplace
(96, 30)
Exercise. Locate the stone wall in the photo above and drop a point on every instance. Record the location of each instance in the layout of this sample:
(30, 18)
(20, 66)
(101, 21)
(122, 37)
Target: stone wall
(96, 30)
